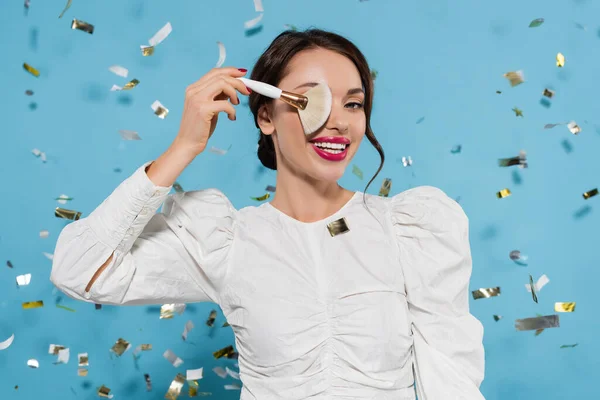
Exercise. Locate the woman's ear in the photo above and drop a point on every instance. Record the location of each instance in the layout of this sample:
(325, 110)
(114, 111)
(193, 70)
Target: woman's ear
(264, 120)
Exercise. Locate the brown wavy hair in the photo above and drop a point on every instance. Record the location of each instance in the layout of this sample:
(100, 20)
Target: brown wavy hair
(271, 68)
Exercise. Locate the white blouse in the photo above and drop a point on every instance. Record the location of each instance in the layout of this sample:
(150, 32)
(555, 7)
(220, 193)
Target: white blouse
(359, 315)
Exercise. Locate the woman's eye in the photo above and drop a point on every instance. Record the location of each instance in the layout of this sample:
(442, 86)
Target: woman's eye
(354, 105)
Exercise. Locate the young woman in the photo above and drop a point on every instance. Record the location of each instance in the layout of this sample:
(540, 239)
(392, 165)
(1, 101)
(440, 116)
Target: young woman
(331, 294)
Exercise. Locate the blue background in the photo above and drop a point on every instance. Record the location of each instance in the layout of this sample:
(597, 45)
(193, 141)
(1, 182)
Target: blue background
(441, 60)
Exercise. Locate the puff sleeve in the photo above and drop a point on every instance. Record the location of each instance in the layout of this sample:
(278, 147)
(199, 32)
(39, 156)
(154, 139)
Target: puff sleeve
(176, 256)
(432, 233)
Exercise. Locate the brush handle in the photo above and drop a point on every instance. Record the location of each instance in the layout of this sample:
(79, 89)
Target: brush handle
(262, 88)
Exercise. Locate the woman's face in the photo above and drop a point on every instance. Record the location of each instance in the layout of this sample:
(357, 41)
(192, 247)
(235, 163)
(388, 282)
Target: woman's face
(298, 152)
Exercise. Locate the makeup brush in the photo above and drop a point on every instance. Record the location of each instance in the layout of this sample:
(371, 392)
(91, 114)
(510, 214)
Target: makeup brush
(313, 107)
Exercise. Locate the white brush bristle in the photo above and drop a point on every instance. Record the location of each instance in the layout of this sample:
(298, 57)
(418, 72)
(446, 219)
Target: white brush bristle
(317, 110)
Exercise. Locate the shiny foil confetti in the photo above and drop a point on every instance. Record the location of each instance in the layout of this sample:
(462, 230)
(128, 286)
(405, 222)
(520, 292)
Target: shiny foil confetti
(54, 349)
(338, 227)
(568, 346)
(140, 348)
(33, 363)
(258, 6)
(67, 214)
(560, 60)
(220, 372)
(537, 323)
(31, 70)
(407, 161)
(63, 198)
(175, 387)
(194, 374)
(225, 324)
(233, 374)
(224, 352)
(63, 356)
(515, 78)
(518, 112)
(44, 234)
(5, 344)
(168, 311)
(118, 70)
(82, 372)
(187, 329)
(536, 22)
(83, 360)
(497, 318)
(82, 26)
(192, 388)
(147, 50)
(219, 151)
(65, 9)
(104, 391)
(486, 292)
(590, 193)
(503, 193)
(159, 109)
(33, 304)
(573, 127)
(222, 55)
(161, 35)
(39, 154)
(386, 186)
(253, 22)
(532, 286)
(129, 135)
(23, 280)
(564, 307)
(178, 187)
(120, 347)
(541, 282)
(211, 318)
(262, 198)
(232, 387)
(65, 308)
(520, 160)
(357, 171)
(548, 93)
(172, 358)
(518, 257)
(270, 188)
(148, 382)
(131, 84)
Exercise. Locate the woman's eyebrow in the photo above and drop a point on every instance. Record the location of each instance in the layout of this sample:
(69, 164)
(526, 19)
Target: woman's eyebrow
(313, 84)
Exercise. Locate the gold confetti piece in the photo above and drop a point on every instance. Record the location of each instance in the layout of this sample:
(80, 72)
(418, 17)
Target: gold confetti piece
(503, 193)
(172, 358)
(65, 308)
(541, 282)
(497, 318)
(82, 26)
(537, 323)
(140, 348)
(23, 280)
(564, 307)
(147, 50)
(187, 329)
(253, 22)
(407, 161)
(225, 324)
(103, 391)
(565, 346)
(65, 9)
(548, 93)
(532, 286)
(386, 186)
(175, 388)
(120, 347)
(591, 193)
(338, 227)
(573, 127)
(31, 70)
(262, 198)
(270, 188)
(67, 214)
(33, 363)
(560, 60)
(520, 160)
(192, 388)
(211, 318)
(82, 371)
(167, 311)
(486, 292)
(118, 70)
(148, 382)
(33, 304)
(178, 187)
(224, 352)
(131, 84)
(518, 112)
(536, 22)
(159, 109)
(83, 359)
(6, 343)
(357, 171)
(222, 55)
(54, 349)
(515, 78)
(63, 356)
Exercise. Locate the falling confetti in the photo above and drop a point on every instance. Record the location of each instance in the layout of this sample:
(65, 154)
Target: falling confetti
(536, 22)
(159, 110)
(357, 171)
(65, 9)
(222, 55)
(118, 70)
(31, 70)
(515, 77)
(262, 198)
(6, 343)
(386, 186)
(590, 193)
(129, 135)
(518, 112)
(503, 193)
(253, 22)
(486, 292)
(82, 26)
(560, 60)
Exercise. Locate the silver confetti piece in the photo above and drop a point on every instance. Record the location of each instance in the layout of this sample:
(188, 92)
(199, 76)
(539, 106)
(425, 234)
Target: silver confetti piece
(536, 323)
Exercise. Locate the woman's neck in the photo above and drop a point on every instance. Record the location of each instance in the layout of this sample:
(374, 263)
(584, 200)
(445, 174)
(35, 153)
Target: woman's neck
(306, 200)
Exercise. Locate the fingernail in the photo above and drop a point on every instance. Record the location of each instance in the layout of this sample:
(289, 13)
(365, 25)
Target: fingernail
(242, 70)
(249, 90)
